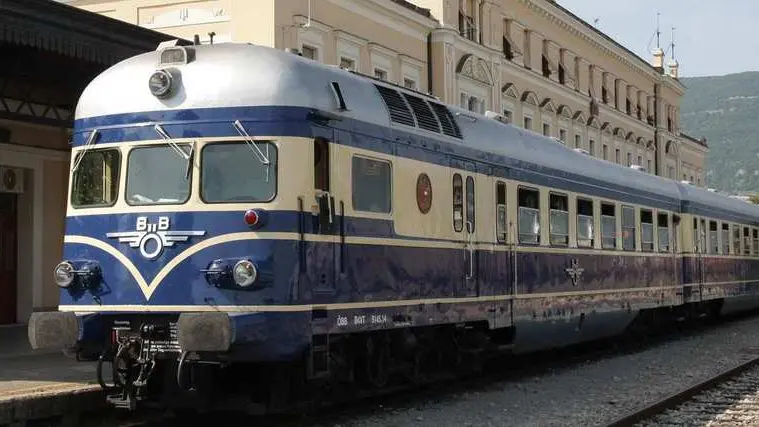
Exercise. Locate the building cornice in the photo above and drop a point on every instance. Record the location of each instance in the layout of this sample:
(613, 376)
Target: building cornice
(395, 16)
(376, 47)
(565, 19)
(424, 19)
(314, 24)
(411, 60)
(674, 84)
(695, 143)
(351, 38)
(450, 35)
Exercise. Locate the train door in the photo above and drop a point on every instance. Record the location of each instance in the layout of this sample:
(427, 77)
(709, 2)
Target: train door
(702, 251)
(465, 223)
(504, 254)
(7, 258)
(677, 252)
(320, 259)
(693, 293)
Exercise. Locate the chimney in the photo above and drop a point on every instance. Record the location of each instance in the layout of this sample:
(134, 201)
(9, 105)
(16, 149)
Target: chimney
(673, 69)
(658, 61)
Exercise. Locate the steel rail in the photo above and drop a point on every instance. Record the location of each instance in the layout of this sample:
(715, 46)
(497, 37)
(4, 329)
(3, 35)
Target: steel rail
(677, 399)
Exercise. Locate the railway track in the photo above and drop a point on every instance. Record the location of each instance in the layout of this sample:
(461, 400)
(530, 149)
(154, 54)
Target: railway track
(359, 406)
(730, 398)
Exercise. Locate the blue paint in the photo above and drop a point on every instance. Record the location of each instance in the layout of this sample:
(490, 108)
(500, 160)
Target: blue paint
(270, 336)
(294, 272)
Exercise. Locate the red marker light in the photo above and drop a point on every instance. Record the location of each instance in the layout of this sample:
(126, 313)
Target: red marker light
(251, 217)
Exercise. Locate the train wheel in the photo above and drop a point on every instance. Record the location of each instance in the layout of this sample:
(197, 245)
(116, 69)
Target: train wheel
(415, 373)
(376, 361)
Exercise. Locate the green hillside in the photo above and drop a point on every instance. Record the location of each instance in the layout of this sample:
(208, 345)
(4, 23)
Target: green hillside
(725, 109)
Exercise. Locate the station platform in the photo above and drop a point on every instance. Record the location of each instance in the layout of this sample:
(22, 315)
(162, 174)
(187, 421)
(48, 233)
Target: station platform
(42, 384)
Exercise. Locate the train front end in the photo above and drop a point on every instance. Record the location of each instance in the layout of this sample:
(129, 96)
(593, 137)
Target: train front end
(181, 246)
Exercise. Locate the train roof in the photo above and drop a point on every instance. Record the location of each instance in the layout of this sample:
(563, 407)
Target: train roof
(699, 201)
(530, 147)
(244, 75)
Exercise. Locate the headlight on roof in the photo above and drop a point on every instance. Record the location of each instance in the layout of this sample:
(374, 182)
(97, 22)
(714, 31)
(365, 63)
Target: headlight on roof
(162, 82)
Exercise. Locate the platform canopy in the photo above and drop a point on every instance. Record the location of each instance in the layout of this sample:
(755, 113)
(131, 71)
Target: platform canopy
(49, 51)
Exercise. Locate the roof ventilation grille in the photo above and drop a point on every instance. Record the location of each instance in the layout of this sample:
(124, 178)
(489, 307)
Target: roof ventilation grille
(447, 121)
(424, 116)
(399, 111)
(411, 110)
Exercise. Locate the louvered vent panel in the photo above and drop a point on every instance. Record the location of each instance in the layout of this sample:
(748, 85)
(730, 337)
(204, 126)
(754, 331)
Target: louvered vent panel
(399, 111)
(424, 116)
(450, 127)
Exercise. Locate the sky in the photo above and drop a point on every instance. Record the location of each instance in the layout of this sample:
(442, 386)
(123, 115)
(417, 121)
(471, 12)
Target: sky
(712, 37)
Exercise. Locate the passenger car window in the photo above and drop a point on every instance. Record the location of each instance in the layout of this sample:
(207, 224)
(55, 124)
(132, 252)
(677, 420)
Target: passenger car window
(458, 203)
(529, 215)
(608, 226)
(628, 228)
(559, 219)
(500, 212)
(584, 223)
(371, 185)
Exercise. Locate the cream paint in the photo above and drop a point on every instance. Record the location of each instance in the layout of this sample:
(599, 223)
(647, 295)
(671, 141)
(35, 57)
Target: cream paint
(296, 178)
(407, 220)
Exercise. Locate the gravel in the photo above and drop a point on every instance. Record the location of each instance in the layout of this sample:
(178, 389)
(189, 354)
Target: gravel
(732, 403)
(580, 395)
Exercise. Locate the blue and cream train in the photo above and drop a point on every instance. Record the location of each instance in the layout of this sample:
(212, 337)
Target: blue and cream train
(235, 205)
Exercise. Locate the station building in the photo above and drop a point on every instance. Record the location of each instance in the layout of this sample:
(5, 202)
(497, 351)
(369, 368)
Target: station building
(49, 52)
(532, 62)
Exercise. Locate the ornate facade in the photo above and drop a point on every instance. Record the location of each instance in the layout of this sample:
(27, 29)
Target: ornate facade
(539, 66)
(532, 62)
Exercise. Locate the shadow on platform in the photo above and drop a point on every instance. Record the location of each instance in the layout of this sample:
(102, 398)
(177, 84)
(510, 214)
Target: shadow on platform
(22, 367)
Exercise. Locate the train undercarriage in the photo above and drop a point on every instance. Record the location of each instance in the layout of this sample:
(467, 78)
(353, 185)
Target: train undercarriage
(145, 368)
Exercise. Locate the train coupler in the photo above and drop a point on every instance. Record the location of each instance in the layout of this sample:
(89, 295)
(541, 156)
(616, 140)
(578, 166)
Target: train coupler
(123, 400)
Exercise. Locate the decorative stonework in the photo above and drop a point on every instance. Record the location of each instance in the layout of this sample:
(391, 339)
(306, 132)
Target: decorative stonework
(580, 117)
(564, 111)
(548, 105)
(530, 98)
(475, 68)
(171, 17)
(450, 82)
(593, 122)
(448, 53)
(510, 90)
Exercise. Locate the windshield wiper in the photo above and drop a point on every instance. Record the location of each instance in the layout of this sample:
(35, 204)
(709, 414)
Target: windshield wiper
(263, 158)
(87, 145)
(178, 149)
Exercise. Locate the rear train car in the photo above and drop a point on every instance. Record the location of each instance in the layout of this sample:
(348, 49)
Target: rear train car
(246, 220)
